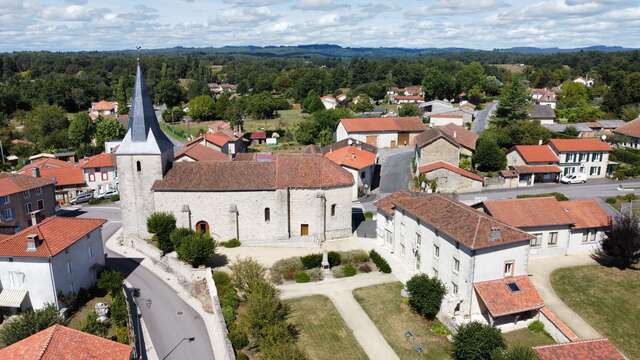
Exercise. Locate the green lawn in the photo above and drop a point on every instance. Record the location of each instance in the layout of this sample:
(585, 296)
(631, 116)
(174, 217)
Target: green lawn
(394, 318)
(607, 298)
(323, 334)
(286, 119)
(526, 337)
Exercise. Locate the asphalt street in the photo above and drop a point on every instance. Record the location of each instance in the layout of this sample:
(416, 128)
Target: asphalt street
(482, 117)
(396, 169)
(170, 320)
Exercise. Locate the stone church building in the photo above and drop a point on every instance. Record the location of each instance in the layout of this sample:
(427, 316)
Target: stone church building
(292, 198)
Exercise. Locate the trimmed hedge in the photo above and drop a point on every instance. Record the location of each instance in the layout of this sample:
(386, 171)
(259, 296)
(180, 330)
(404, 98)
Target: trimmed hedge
(311, 261)
(380, 262)
(231, 243)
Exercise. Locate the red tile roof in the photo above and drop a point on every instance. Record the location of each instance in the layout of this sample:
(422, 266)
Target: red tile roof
(500, 300)
(199, 152)
(388, 204)
(62, 343)
(431, 135)
(586, 213)
(571, 145)
(55, 234)
(537, 169)
(393, 124)
(62, 172)
(632, 128)
(529, 212)
(104, 105)
(447, 166)
(258, 135)
(17, 183)
(463, 136)
(308, 171)
(564, 328)
(532, 154)
(352, 157)
(48, 163)
(460, 222)
(98, 161)
(599, 349)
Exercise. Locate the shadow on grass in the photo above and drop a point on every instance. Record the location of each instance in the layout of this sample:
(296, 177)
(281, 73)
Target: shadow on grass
(617, 262)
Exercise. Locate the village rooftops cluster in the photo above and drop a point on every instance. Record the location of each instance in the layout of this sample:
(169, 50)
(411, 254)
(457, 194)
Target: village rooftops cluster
(16, 183)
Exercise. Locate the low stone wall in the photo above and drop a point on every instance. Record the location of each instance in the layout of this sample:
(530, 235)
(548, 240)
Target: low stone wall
(221, 325)
(558, 330)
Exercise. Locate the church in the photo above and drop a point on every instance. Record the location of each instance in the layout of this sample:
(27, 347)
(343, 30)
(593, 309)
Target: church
(292, 199)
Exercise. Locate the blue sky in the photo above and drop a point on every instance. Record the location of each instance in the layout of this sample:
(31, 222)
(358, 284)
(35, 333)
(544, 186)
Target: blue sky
(479, 24)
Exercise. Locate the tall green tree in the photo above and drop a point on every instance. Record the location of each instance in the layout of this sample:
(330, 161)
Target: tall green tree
(488, 155)
(46, 126)
(476, 341)
(235, 114)
(438, 85)
(470, 75)
(514, 102)
(168, 92)
(621, 246)
(572, 95)
(29, 323)
(312, 103)
(107, 130)
(202, 108)
(81, 130)
(408, 110)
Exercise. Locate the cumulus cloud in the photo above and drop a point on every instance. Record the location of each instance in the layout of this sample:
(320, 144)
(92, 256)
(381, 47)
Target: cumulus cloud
(319, 5)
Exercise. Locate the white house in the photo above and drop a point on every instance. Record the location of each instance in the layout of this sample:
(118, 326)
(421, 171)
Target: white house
(544, 97)
(559, 227)
(534, 164)
(408, 99)
(542, 113)
(446, 119)
(381, 132)
(103, 108)
(482, 261)
(436, 107)
(58, 256)
(584, 81)
(329, 102)
(583, 156)
(100, 173)
(359, 162)
(630, 134)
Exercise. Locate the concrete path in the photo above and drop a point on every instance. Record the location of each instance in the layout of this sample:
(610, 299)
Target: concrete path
(340, 293)
(541, 269)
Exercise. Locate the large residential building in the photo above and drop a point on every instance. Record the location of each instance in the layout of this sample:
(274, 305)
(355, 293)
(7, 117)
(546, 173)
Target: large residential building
(381, 132)
(100, 173)
(63, 343)
(481, 260)
(582, 156)
(299, 199)
(534, 164)
(50, 260)
(20, 196)
(559, 227)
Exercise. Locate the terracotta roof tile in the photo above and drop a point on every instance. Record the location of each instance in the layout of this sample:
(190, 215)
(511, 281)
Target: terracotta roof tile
(501, 300)
(458, 221)
(632, 128)
(70, 176)
(430, 135)
(388, 204)
(537, 169)
(408, 97)
(599, 349)
(99, 161)
(16, 183)
(62, 343)
(586, 213)
(555, 320)
(199, 152)
(396, 124)
(570, 145)
(104, 105)
(445, 165)
(352, 157)
(463, 136)
(529, 212)
(532, 154)
(55, 234)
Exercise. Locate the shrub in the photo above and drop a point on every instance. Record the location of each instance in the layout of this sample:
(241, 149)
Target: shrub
(515, 352)
(110, 281)
(94, 201)
(246, 274)
(337, 272)
(231, 243)
(275, 277)
(612, 200)
(196, 249)
(118, 310)
(630, 197)
(178, 235)
(230, 298)
(288, 268)
(425, 295)
(476, 341)
(557, 195)
(348, 270)
(93, 326)
(354, 257)
(315, 274)
(115, 198)
(238, 338)
(380, 262)
(228, 313)
(241, 356)
(439, 329)
(29, 323)
(222, 281)
(302, 277)
(368, 215)
(364, 268)
(311, 261)
(536, 326)
(161, 224)
(122, 334)
(334, 258)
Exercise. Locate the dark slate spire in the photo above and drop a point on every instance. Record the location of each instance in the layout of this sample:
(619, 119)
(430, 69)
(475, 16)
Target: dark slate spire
(142, 117)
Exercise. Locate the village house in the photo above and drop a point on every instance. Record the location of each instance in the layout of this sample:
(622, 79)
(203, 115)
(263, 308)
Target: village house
(50, 260)
(584, 81)
(329, 102)
(381, 132)
(448, 178)
(582, 156)
(436, 107)
(465, 138)
(629, 134)
(294, 199)
(225, 141)
(60, 342)
(258, 137)
(218, 89)
(68, 177)
(20, 196)
(436, 145)
(455, 118)
(542, 113)
(198, 152)
(407, 99)
(100, 173)
(359, 162)
(103, 108)
(534, 164)
(481, 261)
(558, 228)
(544, 97)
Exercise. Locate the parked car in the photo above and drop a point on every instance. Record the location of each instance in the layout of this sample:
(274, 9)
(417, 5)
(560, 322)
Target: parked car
(81, 198)
(574, 179)
(107, 195)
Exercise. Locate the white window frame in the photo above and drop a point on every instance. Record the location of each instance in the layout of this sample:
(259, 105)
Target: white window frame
(9, 211)
(436, 251)
(553, 236)
(509, 268)
(536, 242)
(456, 265)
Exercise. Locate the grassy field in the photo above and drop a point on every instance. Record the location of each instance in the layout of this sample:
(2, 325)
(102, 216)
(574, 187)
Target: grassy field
(526, 337)
(323, 334)
(394, 318)
(76, 321)
(286, 119)
(607, 298)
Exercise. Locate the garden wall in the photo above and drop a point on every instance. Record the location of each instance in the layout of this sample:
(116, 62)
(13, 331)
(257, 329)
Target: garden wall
(558, 330)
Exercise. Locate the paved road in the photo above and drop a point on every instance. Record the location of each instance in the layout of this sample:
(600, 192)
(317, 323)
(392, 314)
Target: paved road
(396, 168)
(168, 318)
(482, 117)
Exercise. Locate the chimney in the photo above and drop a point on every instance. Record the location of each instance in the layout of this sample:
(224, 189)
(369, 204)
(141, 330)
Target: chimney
(540, 142)
(495, 234)
(32, 242)
(35, 172)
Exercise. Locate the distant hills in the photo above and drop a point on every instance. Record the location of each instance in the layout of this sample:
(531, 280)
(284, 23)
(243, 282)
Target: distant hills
(330, 50)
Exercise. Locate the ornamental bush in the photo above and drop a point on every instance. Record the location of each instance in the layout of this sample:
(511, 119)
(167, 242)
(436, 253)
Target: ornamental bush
(233, 243)
(179, 234)
(302, 277)
(334, 258)
(311, 261)
(29, 323)
(354, 257)
(288, 268)
(476, 341)
(315, 274)
(161, 224)
(425, 295)
(196, 249)
(380, 262)
(348, 270)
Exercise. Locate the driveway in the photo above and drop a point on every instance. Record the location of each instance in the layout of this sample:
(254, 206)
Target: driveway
(483, 116)
(396, 169)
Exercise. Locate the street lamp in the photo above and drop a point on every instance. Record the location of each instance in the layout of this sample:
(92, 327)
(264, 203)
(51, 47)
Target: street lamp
(325, 257)
(189, 339)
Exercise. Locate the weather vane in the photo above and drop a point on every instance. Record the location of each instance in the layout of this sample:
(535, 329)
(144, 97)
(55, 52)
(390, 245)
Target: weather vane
(138, 49)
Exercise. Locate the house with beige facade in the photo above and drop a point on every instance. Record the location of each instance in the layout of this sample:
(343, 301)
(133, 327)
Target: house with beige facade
(582, 156)
(387, 132)
(100, 173)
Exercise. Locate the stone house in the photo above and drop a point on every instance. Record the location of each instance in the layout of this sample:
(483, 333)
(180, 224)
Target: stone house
(481, 260)
(583, 156)
(103, 108)
(388, 132)
(20, 196)
(465, 138)
(436, 145)
(359, 163)
(225, 141)
(198, 152)
(451, 179)
(60, 255)
(100, 173)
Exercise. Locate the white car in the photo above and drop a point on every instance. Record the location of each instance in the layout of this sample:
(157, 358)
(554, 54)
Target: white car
(574, 179)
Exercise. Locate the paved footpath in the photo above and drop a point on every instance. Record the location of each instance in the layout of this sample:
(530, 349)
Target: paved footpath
(340, 293)
(541, 269)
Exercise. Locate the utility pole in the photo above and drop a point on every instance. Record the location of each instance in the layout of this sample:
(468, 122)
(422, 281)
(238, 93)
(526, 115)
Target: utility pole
(1, 152)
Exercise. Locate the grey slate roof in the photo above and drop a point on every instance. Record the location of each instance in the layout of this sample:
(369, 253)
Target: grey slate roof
(542, 112)
(611, 124)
